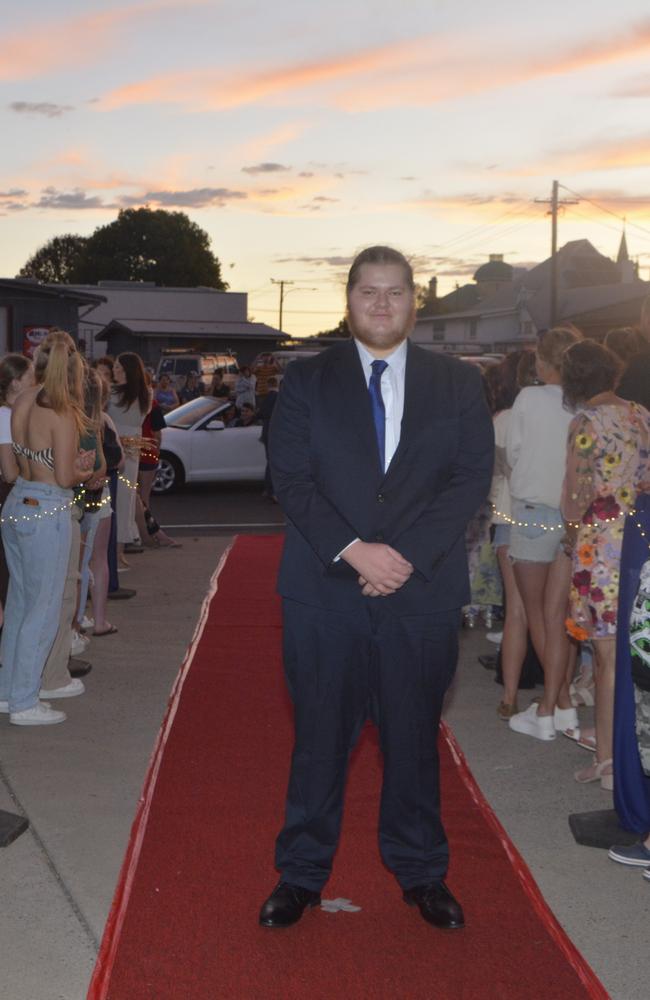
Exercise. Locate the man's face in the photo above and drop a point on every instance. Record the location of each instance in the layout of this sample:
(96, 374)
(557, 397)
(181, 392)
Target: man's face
(381, 307)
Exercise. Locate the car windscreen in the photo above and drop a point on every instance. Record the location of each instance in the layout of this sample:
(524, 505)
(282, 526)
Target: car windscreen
(188, 414)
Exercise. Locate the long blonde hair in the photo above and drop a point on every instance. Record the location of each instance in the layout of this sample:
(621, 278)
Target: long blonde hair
(59, 369)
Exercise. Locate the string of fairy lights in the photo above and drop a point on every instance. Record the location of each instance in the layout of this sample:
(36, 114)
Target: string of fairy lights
(80, 498)
(633, 513)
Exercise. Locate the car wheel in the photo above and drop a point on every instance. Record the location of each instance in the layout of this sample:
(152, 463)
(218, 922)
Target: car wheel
(170, 474)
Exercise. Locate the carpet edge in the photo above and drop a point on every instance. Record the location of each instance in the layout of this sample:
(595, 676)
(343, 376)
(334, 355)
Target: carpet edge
(112, 929)
(583, 970)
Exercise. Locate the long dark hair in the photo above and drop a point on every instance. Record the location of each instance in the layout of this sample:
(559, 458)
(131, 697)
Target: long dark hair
(504, 384)
(135, 386)
(11, 366)
(587, 370)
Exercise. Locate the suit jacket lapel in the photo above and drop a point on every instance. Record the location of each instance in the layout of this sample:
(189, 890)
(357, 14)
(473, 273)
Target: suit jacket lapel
(416, 387)
(356, 400)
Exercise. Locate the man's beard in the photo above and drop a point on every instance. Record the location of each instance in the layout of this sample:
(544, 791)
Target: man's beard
(383, 340)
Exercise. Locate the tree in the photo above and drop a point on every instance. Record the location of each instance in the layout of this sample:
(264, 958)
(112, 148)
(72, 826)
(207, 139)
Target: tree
(56, 261)
(341, 330)
(144, 244)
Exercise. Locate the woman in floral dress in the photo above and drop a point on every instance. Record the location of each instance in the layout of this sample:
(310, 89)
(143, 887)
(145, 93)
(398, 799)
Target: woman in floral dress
(607, 460)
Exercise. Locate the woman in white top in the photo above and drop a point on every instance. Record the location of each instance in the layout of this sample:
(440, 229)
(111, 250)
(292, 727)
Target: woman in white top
(536, 451)
(129, 404)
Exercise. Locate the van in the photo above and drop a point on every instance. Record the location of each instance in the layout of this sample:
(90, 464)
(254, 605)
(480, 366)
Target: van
(178, 366)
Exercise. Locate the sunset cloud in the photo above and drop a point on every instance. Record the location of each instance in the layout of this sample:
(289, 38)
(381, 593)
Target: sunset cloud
(47, 45)
(265, 168)
(77, 199)
(591, 156)
(416, 73)
(40, 108)
(195, 198)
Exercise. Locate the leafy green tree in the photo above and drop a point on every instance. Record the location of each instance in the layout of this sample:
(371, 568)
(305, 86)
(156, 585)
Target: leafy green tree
(56, 261)
(145, 244)
(340, 330)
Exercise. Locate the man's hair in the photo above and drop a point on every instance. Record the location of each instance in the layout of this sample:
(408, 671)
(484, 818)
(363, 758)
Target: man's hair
(379, 255)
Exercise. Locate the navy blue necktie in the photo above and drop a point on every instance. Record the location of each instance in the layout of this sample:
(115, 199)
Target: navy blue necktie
(378, 409)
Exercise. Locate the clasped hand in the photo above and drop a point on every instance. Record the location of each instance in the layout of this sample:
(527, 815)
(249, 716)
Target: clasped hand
(382, 570)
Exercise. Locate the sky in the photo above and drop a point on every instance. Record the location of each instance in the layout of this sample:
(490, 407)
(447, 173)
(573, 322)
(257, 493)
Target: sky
(298, 132)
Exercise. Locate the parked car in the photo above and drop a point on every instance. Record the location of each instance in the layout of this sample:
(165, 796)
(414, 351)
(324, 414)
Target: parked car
(178, 366)
(197, 447)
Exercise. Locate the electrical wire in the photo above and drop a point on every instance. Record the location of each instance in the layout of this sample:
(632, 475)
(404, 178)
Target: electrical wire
(626, 222)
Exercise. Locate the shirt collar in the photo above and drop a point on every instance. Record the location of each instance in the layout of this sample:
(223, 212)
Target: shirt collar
(396, 360)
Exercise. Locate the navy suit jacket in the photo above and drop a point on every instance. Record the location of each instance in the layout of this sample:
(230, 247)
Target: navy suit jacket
(328, 480)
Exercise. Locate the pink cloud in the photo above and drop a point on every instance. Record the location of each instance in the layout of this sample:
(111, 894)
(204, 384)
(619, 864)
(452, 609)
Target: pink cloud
(416, 73)
(47, 45)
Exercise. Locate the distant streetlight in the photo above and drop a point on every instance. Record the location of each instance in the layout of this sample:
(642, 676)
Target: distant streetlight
(283, 295)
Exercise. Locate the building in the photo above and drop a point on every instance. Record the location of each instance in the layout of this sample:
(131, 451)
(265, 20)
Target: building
(29, 310)
(507, 307)
(146, 319)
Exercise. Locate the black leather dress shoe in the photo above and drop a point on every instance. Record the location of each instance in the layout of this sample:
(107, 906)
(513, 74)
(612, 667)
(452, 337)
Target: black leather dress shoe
(286, 905)
(437, 905)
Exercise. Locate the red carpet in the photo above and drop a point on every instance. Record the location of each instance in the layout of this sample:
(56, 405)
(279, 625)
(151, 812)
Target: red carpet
(200, 860)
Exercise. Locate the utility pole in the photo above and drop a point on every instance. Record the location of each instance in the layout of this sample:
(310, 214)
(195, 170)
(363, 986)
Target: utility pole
(281, 284)
(555, 205)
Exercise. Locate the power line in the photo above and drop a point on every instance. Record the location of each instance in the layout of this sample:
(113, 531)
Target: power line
(621, 218)
(523, 207)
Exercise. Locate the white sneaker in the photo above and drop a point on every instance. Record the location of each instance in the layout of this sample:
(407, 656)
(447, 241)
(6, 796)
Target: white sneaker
(495, 637)
(542, 727)
(565, 718)
(4, 706)
(39, 715)
(86, 623)
(78, 643)
(71, 690)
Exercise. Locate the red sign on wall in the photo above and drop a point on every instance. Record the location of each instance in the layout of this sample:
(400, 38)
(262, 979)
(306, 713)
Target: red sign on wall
(32, 337)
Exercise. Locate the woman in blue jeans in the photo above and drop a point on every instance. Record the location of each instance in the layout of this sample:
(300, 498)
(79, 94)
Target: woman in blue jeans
(36, 524)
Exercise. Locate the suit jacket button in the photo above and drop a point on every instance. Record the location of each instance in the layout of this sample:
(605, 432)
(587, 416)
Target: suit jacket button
(380, 498)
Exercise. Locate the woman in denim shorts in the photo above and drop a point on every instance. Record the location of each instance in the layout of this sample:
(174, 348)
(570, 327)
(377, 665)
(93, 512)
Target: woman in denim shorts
(36, 524)
(536, 451)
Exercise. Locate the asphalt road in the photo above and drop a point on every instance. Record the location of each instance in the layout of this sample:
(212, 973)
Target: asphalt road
(217, 508)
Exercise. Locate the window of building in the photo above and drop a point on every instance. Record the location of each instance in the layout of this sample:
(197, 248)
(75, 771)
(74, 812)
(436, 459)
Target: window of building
(473, 327)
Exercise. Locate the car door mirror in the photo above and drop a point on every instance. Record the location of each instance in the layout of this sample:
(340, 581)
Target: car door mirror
(215, 425)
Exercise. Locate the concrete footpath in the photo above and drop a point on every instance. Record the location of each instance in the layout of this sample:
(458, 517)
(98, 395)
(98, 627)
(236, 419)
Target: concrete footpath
(79, 785)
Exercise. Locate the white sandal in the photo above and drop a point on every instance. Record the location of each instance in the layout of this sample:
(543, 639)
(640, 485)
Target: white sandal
(582, 694)
(597, 773)
(580, 737)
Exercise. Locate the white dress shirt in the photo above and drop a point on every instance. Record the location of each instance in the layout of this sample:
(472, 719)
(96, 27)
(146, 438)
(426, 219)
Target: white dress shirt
(392, 391)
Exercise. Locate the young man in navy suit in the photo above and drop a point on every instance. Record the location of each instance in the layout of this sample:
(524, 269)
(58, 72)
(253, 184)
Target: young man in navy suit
(380, 454)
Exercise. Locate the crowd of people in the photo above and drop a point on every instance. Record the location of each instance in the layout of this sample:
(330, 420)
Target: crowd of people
(78, 453)
(571, 477)
(79, 450)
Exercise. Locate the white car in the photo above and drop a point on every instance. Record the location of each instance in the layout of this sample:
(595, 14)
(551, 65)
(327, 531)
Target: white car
(197, 447)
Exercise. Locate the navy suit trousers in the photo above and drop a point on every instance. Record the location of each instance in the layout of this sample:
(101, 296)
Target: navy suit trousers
(342, 669)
